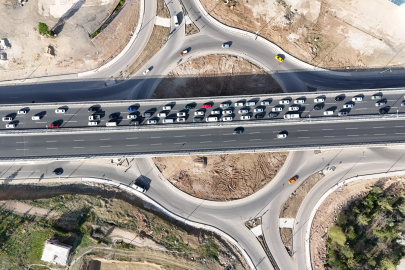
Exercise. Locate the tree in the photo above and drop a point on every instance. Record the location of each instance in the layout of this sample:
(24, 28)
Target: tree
(386, 264)
(362, 219)
(336, 234)
(42, 28)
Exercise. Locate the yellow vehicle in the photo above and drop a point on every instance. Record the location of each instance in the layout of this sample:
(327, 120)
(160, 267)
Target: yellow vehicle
(279, 58)
(292, 180)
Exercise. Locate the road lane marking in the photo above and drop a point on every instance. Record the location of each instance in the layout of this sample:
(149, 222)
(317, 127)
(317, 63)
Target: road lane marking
(352, 128)
(77, 147)
(255, 140)
(52, 148)
(41, 122)
(206, 135)
(22, 149)
(132, 138)
(105, 145)
(300, 130)
(180, 136)
(228, 134)
(400, 133)
(327, 129)
(20, 142)
(179, 143)
(105, 139)
(254, 132)
(78, 140)
(206, 142)
(303, 137)
(156, 144)
(352, 135)
(51, 141)
(155, 137)
(378, 134)
(361, 109)
(329, 136)
(71, 121)
(230, 141)
(378, 127)
(133, 145)
(399, 126)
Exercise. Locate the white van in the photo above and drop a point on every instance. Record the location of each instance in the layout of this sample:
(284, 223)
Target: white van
(327, 112)
(175, 20)
(111, 124)
(168, 121)
(291, 115)
(36, 117)
(212, 119)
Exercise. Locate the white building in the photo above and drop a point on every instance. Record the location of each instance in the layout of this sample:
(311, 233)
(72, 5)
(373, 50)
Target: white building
(55, 252)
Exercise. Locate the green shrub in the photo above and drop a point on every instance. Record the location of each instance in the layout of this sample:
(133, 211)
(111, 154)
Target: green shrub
(336, 234)
(42, 28)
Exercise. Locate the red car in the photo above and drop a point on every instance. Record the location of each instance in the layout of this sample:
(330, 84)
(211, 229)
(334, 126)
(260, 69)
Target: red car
(184, 52)
(206, 106)
(54, 125)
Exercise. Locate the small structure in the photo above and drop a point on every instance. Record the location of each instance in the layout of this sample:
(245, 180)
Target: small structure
(3, 56)
(56, 252)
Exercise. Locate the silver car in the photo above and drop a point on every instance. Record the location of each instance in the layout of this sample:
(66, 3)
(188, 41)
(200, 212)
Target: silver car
(277, 109)
(7, 119)
(265, 103)
(151, 122)
(216, 112)
(380, 103)
(245, 117)
(294, 108)
(284, 101)
(299, 101)
(224, 105)
(281, 136)
(258, 110)
(60, 111)
(227, 118)
(348, 106)
(181, 114)
(199, 113)
(243, 111)
(239, 104)
(227, 112)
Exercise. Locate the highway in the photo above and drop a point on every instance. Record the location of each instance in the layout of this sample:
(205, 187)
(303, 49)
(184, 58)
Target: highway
(77, 115)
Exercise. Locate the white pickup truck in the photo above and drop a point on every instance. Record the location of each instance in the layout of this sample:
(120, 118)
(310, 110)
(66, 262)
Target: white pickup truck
(138, 188)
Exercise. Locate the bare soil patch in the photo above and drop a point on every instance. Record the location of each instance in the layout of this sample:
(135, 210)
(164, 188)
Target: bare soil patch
(336, 203)
(191, 29)
(162, 10)
(72, 51)
(331, 34)
(102, 264)
(291, 206)
(216, 75)
(286, 237)
(221, 177)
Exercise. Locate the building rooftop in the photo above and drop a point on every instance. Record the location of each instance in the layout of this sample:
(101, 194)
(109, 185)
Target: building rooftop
(55, 252)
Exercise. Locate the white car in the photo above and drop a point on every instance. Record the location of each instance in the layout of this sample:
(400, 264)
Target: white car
(138, 188)
(277, 109)
(60, 111)
(227, 112)
(319, 99)
(224, 105)
(258, 110)
(167, 108)
(380, 103)
(284, 101)
(227, 118)
(93, 123)
(265, 103)
(162, 114)
(22, 112)
(294, 108)
(146, 72)
(181, 114)
(216, 112)
(245, 117)
(198, 113)
(5, 119)
(131, 116)
(357, 99)
(403, 103)
(181, 120)
(239, 104)
(243, 111)
(281, 135)
(348, 106)
(299, 101)
(10, 126)
(151, 122)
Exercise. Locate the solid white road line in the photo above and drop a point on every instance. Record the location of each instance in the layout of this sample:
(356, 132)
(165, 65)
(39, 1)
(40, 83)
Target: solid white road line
(22, 149)
(255, 140)
(52, 148)
(378, 127)
(206, 142)
(77, 147)
(378, 134)
(327, 129)
(105, 146)
(353, 135)
(230, 141)
(132, 145)
(156, 144)
(206, 135)
(105, 139)
(132, 138)
(155, 137)
(352, 128)
(78, 140)
(303, 137)
(180, 136)
(301, 130)
(51, 141)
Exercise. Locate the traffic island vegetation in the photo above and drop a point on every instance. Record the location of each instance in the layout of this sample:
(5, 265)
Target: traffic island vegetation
(109, 20)
(43, 30)
(370, 234)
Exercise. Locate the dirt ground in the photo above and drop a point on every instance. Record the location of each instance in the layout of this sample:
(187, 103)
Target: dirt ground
(102, 264)
(31, 55)
(221, 177)
(331, 34)
(216, 75)
(286, 237)
(335, 203)
(291, 206)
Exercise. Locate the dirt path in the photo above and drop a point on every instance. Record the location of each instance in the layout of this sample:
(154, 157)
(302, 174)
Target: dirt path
(102, 264)
(28, 209)
(334, 204)
(221, 177)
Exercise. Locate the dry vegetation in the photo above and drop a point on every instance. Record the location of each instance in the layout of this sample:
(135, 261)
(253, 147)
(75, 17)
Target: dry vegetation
(216, 75)
(221, 177)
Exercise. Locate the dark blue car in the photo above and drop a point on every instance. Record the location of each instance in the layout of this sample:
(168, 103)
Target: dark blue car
(131, 109)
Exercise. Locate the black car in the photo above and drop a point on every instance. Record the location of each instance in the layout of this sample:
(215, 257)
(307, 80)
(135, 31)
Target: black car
(382, 111)
(259, 116)
(113, 116)
(57, 171)
(238, 131)
(93, 109)
(318, 107)
(339, 98)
